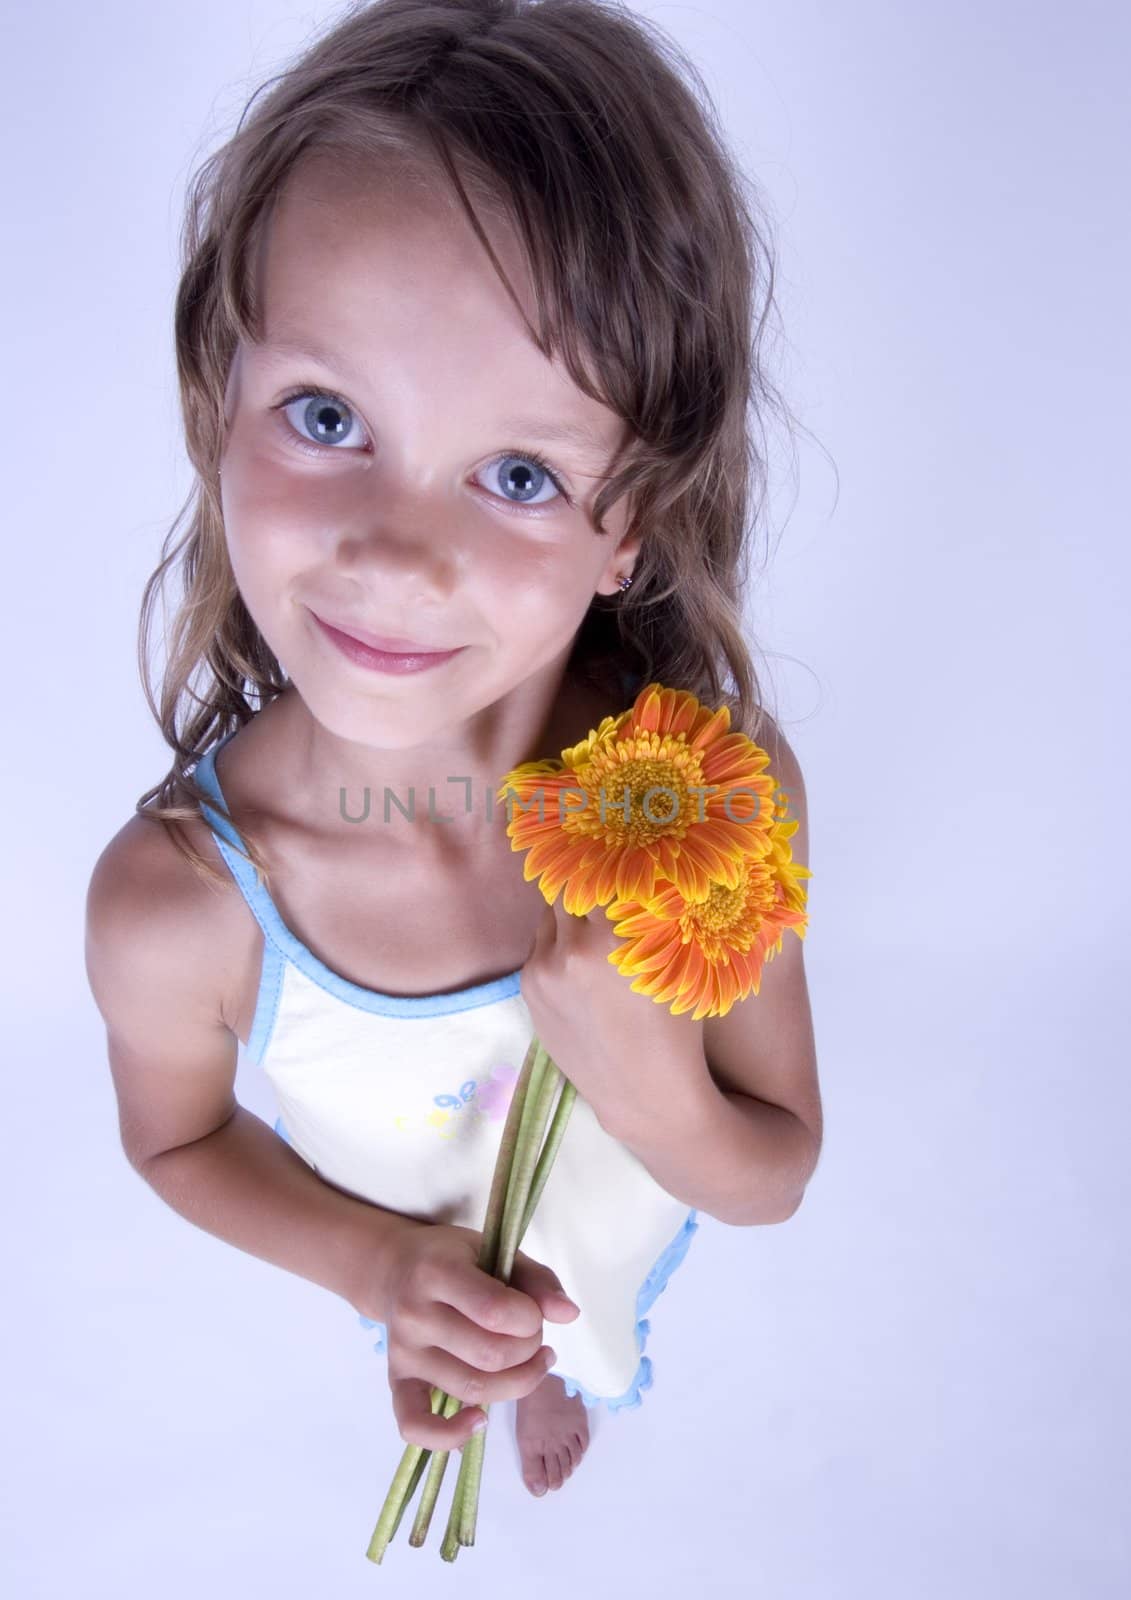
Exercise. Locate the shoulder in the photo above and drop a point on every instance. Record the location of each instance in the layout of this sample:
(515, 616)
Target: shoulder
(764, 1047)
(785, 768)
(141, 872)
(152, 919)
(158, 955)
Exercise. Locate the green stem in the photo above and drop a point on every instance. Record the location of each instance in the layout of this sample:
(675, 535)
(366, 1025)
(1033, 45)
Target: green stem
(549, 1151)
(465, 1501)
(401, 1491)
(500, 1184)
(413, 1460)
(436, 1469)
(544, 1081)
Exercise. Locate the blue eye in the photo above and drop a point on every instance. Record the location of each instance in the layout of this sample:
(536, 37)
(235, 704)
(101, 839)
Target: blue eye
(325, 420)
(512, 472)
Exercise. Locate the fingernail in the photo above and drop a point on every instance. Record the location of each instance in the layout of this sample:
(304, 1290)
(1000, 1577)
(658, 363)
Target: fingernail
(551, 1357)
(477, 1427)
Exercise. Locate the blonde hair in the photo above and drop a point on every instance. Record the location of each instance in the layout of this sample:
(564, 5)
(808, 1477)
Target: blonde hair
(653, 284)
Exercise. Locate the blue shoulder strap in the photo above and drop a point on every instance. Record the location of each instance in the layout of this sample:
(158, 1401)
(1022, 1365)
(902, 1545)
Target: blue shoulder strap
(281, 943)
(263, 908)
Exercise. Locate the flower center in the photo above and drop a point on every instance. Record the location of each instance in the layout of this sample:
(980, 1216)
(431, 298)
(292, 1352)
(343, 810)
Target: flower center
(640, 790)
(729, 919)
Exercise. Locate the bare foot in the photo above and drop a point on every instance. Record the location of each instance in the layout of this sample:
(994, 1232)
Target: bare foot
(552, 1430)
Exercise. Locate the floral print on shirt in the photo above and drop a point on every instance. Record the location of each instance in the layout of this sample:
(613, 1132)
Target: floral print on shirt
(486, 1101)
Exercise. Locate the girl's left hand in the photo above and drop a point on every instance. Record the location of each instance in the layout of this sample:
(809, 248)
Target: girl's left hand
(623, 1052)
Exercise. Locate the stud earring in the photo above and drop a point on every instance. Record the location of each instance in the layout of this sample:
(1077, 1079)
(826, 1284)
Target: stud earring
(624, 583)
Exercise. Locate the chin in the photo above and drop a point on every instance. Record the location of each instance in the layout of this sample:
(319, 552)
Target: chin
(383, 718)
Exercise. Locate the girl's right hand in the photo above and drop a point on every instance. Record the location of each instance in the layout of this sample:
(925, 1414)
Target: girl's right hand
(452, 1326)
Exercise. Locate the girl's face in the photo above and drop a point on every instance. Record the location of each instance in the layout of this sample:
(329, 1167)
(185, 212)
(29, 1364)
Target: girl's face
(407, 499)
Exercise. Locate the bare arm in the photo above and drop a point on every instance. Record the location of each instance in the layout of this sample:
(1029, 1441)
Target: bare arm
(737, 1158)
(746, 1140)
(154, 963)
(246, 1185)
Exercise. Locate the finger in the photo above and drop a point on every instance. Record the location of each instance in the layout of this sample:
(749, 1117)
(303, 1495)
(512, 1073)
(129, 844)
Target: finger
(543, 935)
(416, 1423)
(487, 1301)
(470, 1385)
(468, 1341)
(566, 923)
(544, 1287)
(574, 927)
(547, 932)
(595, 924)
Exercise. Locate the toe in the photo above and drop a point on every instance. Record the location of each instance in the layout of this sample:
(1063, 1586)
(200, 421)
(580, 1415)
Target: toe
(553, 1470)
(536, 1483)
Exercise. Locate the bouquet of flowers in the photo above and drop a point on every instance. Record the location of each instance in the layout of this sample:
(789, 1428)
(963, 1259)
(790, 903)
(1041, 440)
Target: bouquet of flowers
(699, 902)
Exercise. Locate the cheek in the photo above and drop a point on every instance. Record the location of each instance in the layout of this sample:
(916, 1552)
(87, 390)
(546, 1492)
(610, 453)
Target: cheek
(544, 603)
(268, 522)
(548, 579)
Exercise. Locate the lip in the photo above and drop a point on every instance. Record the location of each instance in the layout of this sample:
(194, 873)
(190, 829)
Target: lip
(380, 654)
(391, 645)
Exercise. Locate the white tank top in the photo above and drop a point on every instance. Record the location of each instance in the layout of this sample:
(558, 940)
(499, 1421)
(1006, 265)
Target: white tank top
(400, 1101)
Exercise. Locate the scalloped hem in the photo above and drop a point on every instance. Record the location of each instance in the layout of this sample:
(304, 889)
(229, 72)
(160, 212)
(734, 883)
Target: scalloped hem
(654, 1284)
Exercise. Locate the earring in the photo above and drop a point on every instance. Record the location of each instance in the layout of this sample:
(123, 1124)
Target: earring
(624, 582)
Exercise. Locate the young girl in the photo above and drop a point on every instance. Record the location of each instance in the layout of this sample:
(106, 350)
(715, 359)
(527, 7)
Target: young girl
(466, 338)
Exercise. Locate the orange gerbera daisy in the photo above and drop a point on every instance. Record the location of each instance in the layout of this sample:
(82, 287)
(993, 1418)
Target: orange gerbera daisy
(662, 791)
(708, 954)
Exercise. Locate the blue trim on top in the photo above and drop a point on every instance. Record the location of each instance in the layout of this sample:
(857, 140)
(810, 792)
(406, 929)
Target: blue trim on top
(280, 944)
(653, 1285)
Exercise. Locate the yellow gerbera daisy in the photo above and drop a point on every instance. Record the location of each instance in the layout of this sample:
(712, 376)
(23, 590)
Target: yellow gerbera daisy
(708, 954)
(662, 791)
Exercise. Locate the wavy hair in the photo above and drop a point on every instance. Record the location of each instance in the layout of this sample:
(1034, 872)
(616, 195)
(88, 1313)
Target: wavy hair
(653, 283)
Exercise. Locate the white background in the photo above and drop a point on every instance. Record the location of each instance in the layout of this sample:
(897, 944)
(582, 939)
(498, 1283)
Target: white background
(917, 1387)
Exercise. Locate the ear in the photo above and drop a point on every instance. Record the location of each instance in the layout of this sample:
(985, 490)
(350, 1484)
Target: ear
(620, 564)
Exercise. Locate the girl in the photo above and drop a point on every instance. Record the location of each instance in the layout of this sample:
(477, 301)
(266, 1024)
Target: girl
(466, 342)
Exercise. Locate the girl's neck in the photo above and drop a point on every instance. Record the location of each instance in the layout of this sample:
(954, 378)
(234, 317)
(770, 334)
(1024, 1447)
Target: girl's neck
(318, 782)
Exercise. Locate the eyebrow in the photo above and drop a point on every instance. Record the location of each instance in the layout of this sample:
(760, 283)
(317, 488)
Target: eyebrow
(561, 432)
(531, 427)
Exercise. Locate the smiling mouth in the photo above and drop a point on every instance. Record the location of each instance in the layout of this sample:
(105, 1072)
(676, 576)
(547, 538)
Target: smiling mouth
(377, 657)
(388, 645)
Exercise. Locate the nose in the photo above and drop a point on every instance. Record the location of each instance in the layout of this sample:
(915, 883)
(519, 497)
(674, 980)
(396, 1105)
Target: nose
(401, 539)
